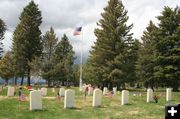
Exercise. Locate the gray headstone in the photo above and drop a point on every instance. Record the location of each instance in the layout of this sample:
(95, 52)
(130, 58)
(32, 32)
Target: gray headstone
(125, 97)
(69, 99)
(35, 100)
(62, 92)
(11, 91)
(90, 90)
(168, 94)
(149, 95)
(97, 98)
(115, 90)
(105, 90)
(44, 91)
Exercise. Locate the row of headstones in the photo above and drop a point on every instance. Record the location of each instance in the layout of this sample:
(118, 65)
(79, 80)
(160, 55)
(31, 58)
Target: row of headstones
(105, 90)
(69, 100)
(149, 94)
(43, 91)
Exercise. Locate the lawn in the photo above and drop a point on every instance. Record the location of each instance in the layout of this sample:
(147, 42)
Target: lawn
(10, 108)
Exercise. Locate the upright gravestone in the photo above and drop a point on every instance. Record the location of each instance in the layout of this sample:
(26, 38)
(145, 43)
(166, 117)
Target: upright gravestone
(97, 98)
(69, 99)
(62, 92)
(149, 95)
(168, 94)
(44, 91)
(90, 90)
(53, 90)
(35, 100)
(125, 97)
(105, 90)
(10, 91)
(115, 90)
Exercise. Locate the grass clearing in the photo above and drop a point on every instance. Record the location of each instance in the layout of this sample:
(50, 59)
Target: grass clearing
(10, 108)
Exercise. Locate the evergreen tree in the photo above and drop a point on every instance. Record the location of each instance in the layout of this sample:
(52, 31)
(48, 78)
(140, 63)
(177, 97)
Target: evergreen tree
(27, 42)
(49, 46)
(64, 59)
(109, 57)
(2, 32)
(7, 67)
(167, 46)
(146, 63)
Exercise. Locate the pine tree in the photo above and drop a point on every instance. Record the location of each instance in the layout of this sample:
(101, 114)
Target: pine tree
(2, 32)
(27, 42)
(7, 67)
(49, 46)
(167, 46)
(108, 56)
(146, 63)
(64, 59)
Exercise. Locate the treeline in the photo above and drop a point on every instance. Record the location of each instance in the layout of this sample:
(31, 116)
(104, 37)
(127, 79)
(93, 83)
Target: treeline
(117, 59)
(35, 55)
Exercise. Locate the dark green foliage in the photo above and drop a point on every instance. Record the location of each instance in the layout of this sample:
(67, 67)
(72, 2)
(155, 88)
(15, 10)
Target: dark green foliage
(27, 42)
(111, 57)
(167, 46)
(49, 46)
(7, 63)
(146, 63)
(63, 59)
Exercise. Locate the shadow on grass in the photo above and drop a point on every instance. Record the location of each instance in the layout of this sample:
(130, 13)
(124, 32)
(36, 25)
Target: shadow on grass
(129, 104)
(73, 108)
(43, 110)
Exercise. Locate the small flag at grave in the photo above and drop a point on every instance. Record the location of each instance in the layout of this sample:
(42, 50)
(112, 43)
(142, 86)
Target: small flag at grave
(110, 94)
(22, 98)
(58, 98)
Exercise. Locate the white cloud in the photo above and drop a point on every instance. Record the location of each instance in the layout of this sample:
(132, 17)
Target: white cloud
(64, 15)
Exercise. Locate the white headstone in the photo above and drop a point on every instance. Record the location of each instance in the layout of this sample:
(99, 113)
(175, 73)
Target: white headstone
(97, 98)
(35, 100)
(149, 95)
(115, 90)
(44, 91)
(168, 94)
(53, 90)
(62, 92)
(69, 99)
(105, 90)
(90, 90)
(125, 97)
(10, 91)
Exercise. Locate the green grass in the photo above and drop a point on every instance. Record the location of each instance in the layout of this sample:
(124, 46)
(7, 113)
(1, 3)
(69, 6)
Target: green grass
(110, 109)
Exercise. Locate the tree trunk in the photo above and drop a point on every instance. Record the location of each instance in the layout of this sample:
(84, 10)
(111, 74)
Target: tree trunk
(123, 86)
(22, 80)
(15, 80)
(152, 87)
(49, 83)
(62, 83)
(175, 88)
(29, 77)
(6, 81)
(110, 86)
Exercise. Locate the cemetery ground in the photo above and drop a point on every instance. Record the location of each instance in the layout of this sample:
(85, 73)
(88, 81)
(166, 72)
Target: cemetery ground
(138, 108)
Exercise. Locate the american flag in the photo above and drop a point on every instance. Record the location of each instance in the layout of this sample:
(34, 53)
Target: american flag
(22, 98)
(58, 98)
(77, 31)
(110, 94)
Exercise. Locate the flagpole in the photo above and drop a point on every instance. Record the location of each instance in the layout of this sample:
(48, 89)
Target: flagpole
(80, 79)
